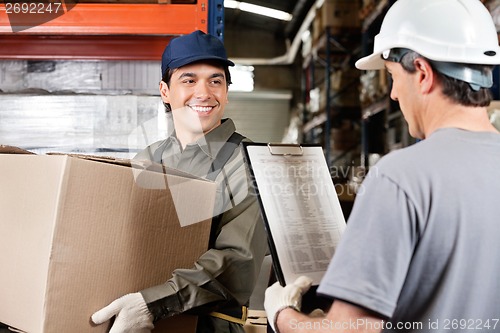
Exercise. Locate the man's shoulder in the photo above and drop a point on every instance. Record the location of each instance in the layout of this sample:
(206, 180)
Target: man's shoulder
(404, 161)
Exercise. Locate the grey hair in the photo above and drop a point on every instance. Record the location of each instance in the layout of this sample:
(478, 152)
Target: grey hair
(457, 90)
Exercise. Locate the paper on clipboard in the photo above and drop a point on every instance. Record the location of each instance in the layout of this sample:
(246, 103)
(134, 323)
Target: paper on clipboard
(300, 206)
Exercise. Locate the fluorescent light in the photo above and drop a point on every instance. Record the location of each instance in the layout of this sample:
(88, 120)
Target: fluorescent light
(260, 10)
(277, 14)
(231, 4)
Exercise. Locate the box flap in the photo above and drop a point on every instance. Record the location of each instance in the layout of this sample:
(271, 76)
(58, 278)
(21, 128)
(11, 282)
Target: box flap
(97, 158)
(138, 165)
(5, 149)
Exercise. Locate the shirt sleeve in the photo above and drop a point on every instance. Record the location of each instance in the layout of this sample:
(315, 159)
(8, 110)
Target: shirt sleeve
(226, 274)
(370, 265)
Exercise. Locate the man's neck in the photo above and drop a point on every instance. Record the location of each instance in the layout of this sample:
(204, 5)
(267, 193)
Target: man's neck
(448, 115)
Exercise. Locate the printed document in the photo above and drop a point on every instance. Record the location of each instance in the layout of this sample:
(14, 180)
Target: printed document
(300, 207)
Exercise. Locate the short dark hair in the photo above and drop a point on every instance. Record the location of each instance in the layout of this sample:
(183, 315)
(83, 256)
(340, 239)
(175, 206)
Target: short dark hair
(457, 90)
(167, 76)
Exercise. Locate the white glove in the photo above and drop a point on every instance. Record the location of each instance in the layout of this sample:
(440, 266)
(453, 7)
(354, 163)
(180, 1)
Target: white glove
(132, 315)
(278, 298)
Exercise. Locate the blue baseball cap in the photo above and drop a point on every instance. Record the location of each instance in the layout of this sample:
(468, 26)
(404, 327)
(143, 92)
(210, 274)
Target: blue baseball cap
(193, 47)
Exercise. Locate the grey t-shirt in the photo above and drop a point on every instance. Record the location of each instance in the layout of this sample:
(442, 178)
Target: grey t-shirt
(422, 244)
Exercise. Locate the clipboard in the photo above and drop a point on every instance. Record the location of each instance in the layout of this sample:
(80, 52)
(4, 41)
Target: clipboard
(299, 206)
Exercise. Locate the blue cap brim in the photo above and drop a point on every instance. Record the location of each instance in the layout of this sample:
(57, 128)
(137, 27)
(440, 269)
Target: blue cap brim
(187, 61)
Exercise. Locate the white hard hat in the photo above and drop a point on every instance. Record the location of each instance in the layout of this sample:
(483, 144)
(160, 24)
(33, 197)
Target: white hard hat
(459, 31)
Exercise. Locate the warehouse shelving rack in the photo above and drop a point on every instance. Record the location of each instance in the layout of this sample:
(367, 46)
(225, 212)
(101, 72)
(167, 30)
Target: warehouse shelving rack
(334, 50)
(381, 116)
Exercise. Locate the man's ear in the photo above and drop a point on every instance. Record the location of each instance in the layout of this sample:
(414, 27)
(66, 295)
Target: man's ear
(164, 92)
(425, 75)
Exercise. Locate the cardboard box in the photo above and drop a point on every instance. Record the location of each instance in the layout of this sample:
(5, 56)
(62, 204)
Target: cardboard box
(344, 86)
(341, 14)
(78, 233)
(317, 26)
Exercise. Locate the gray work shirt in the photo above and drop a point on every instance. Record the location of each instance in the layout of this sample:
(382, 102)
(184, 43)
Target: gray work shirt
(225, 275)
(421, 245)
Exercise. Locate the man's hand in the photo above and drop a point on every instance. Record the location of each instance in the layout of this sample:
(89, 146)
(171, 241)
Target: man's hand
(278, 298)
(132, 315)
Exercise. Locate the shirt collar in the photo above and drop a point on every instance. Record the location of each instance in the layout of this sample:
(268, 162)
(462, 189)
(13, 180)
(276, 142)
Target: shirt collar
(212, 142)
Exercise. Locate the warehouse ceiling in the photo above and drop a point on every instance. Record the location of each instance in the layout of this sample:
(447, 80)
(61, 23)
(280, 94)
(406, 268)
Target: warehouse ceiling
(236, 19)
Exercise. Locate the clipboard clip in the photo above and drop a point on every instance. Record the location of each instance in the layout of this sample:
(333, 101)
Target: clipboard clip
(285, 149)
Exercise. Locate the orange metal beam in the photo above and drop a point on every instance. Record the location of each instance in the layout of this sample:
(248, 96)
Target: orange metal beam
(39, 47)
(86, 18)
(100, 31)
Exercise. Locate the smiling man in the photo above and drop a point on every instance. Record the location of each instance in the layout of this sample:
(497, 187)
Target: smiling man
(197, 94)
(194, 88)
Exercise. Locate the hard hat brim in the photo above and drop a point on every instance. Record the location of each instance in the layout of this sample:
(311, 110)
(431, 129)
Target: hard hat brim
(371, 62)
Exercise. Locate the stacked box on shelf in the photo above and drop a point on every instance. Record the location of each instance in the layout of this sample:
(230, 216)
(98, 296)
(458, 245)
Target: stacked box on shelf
(345, 137)
(344, 86)
(340, 14)
(344, 91)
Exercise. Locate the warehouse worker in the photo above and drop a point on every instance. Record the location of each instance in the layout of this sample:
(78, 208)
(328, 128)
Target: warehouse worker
(421, 250)
(194, 87)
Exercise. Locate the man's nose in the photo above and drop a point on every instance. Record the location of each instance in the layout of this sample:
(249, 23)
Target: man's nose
(202, 91)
